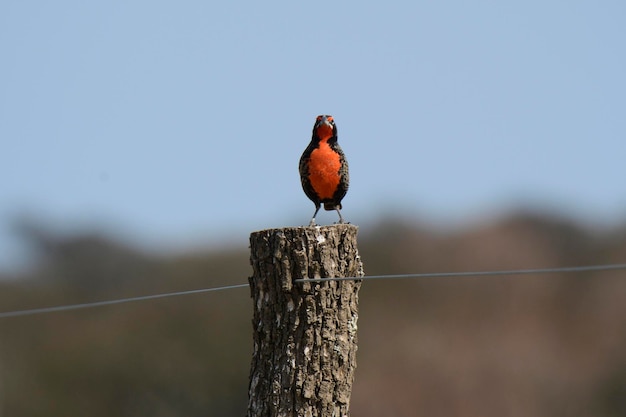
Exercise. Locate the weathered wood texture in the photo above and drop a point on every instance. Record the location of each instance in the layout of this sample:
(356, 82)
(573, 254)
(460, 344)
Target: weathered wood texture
(304, 333)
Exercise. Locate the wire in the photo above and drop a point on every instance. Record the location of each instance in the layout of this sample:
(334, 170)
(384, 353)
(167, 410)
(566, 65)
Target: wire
(111, 302)
(474, 274)
(30, 312)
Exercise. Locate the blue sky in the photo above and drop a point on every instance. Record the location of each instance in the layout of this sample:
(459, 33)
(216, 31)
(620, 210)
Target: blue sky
(178, 123)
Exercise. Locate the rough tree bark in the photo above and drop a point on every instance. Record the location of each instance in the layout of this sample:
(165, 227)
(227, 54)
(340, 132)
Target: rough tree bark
(304, 333)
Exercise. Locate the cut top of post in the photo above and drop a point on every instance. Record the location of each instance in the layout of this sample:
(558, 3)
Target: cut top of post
(307, 252)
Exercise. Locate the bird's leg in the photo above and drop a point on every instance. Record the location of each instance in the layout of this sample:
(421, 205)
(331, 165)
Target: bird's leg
(340, 217)
(317, 208)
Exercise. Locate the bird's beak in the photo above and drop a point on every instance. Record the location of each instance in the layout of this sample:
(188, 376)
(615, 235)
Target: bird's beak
(323, 121)
(324, 128)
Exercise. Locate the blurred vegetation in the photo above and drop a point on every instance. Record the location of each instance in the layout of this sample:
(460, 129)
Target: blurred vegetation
(544, 345)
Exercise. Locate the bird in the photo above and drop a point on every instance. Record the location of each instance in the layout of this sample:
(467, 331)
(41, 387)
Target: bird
(324, 168)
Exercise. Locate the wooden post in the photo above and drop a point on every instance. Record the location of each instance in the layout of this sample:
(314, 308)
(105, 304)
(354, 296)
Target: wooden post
(304, 333)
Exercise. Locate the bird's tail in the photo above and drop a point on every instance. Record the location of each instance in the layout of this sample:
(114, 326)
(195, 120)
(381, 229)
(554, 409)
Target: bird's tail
(332, 206)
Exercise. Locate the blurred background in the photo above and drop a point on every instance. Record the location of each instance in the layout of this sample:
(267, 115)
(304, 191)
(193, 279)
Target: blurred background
(141, 142)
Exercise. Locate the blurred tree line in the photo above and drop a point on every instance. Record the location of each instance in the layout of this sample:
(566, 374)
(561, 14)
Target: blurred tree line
(540, 345)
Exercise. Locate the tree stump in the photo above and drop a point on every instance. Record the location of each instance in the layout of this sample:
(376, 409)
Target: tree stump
(305, 338)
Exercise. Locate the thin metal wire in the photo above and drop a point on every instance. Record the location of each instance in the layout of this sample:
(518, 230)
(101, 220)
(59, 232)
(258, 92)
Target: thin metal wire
(474, 274)
(111, 302)
(43, 310)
